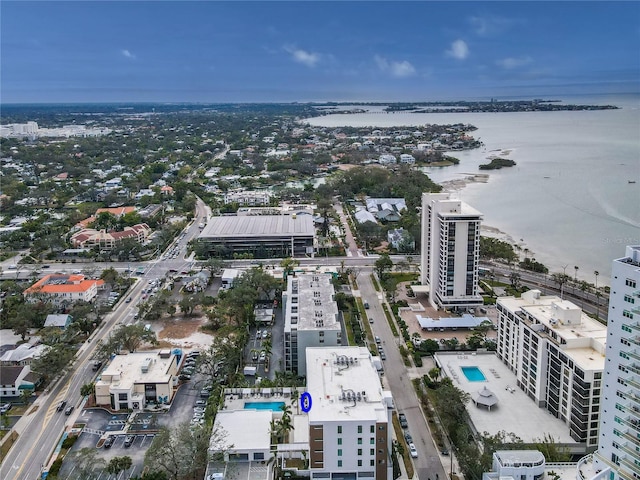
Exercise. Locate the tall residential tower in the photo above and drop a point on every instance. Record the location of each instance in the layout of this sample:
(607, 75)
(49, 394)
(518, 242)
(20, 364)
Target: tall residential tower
(618, 455)
(450, 251)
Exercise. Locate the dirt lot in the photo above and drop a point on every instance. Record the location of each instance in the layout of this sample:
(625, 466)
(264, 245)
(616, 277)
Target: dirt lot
(182, 332)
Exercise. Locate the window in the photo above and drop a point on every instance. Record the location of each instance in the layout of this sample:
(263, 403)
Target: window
(339, 428)
(339, 463)
(372, 441)
(629, 299)
(359, 451)
(339, 452)
(372, 451)
(372, 429)
(339, 441)
(359, 428)
(122, 397)
(359, 441)
(372, 463)
(359, 463)
(629, 282)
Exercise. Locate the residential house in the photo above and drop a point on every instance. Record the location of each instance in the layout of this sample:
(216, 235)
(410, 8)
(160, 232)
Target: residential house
(61, 321)
(15, 379)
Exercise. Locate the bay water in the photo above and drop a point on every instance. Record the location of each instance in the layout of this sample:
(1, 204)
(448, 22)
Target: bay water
(573, 198)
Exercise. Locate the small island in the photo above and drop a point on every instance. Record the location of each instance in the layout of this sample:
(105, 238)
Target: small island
(497, 163)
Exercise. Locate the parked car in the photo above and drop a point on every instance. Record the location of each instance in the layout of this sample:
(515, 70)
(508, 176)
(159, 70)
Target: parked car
(265, 334)
(444, 452)
(413, 451)
(109, 441)
(61, 405)
(128, 441)
(370, 319)
(201, 403)
(403, 420)
(68, 410)
(366, 305)
(408, 438)
(199, 409)
(5, 408)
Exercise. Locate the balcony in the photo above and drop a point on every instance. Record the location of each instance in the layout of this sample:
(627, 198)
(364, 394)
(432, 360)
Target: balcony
(630, 464)
(630, 422)
(629, 450)
(632, 326)
(630, 437)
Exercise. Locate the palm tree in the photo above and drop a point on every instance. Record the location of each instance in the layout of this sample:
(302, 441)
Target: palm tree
(285, 425)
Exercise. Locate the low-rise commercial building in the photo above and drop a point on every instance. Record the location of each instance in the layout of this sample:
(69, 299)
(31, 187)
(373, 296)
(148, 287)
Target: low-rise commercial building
(136, 379)
(264, 236)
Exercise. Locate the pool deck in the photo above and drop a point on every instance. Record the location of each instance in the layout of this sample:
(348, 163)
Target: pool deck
(234, 399)
(515, 411)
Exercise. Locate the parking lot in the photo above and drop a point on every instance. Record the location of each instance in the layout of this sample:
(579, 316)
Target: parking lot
(142, 427)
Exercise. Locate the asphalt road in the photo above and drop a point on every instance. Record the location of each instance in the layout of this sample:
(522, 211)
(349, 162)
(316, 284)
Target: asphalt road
(43, 427)
(406, 401)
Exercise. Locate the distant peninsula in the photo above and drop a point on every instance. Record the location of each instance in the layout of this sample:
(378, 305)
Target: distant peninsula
(458, 106)
(493, 106)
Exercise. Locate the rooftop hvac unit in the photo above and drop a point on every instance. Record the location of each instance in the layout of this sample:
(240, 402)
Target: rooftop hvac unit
(359, 397)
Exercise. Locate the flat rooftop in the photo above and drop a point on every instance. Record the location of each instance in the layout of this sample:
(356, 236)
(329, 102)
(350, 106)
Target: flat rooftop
(585, 338)
(344, 385)
(126, 370)
(246, 429)
(232, 226)
(310, 303)
(515, 411)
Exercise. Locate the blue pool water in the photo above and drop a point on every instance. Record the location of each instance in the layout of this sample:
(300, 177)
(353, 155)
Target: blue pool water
(275, 406)
(473, 374)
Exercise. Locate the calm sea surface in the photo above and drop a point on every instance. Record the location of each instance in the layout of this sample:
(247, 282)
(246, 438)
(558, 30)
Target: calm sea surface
(568, 199)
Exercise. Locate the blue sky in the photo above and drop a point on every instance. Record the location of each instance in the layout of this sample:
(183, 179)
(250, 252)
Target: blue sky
(268, 51)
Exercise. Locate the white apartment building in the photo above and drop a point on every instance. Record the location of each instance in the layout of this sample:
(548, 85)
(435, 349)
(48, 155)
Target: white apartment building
(618, 454)
(311, 318)
(350, 428)
(557, 354)
(450, 251)
(248, 198)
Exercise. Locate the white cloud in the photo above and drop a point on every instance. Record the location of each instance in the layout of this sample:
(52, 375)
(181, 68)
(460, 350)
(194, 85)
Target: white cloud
(127, 54)
(458, 50)
(397, 69)
(514, 62)
(302, 56)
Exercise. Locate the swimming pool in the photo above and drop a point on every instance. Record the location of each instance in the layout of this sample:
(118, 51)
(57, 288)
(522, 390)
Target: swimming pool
(275, 406)
(473, 374)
